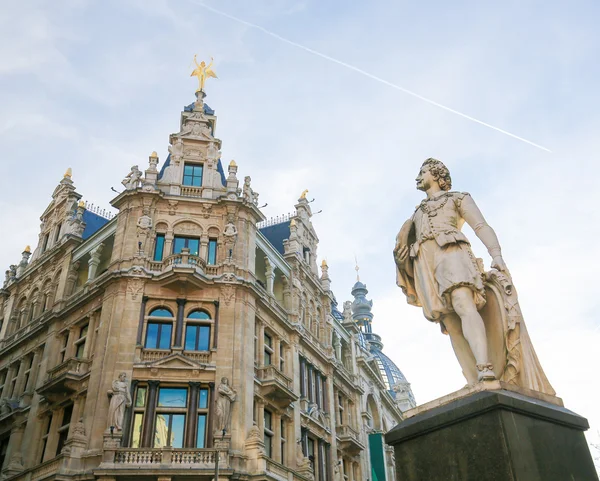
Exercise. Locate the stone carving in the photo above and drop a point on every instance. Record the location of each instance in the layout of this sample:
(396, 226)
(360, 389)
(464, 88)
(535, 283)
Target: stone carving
(144, 222)
(176, 149)
(135, 285)
(437, 271)
(226, 396)
(132, 180)
(254, 434)
(173, 206)
(303, 464)
(347, 312)
(230, 231)
(119, 400)
(227, 293)
(247, 193)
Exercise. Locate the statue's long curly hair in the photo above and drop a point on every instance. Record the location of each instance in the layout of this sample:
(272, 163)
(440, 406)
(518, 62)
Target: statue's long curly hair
(439, 172)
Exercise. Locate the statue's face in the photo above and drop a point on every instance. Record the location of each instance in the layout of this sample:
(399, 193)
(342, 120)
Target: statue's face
(122, 376)
(424, 180)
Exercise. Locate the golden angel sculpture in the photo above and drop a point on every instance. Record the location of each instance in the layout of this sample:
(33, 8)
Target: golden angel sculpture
(437, 271)
(203, 72)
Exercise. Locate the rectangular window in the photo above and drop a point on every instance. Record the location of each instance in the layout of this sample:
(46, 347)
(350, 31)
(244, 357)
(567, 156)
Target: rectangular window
(45, 436)
(281, 357)
(140, 397)
(159, 247)
(3, 450)
(179, 243)
(192, 175)
(268, 342)
(136, 432)
(197, 337)
(201, 436)
(203, 399)
(158, 336)
(172, 397)
(45, 242)
(212, 252)
(268, 430)
(283, 440)
(169, 429)
(63, 431)
(80, 342)
(63, 350)
(27, 373)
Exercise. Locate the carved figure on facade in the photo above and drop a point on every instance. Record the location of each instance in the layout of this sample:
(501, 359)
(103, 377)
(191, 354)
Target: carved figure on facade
(226, 396)
(119, 400)
(247, 193)
(437, 271)
(176, 150)
(132, 179)
(203, 72)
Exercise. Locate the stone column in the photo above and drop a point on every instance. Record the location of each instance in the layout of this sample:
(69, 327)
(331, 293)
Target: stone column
(270, 275)
(179, 323)
(192, 414)
(147, 433)
(140, 329)
(52, 442)
(129, 414)
(276, 428)
(8, 381)
(15, 457)
(20, 385)
(33, 372)
(203, 254)
(94, 261)
(260, 344)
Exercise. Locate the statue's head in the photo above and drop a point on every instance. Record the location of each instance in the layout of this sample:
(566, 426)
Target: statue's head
(203, 64)
(434, 170)
(122, 376)
(224, 380)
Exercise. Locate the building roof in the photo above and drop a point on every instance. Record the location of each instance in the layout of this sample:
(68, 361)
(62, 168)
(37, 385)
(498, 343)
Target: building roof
(93, 223)
(276, 234)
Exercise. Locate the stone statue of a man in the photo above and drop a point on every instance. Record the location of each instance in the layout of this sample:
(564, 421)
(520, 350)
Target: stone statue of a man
(445, 272)
(120, 399)
(437, 271)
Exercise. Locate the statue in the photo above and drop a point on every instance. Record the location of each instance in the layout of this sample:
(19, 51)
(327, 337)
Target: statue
(303, 195)
(223, 408)
(203, 72)
(119, 400)
(132, 180)
(437, 271)
(247, 192)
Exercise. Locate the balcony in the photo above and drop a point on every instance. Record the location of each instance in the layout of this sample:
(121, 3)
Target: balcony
(349, 440)
(276, 386)
(64, 379)
(145, 461)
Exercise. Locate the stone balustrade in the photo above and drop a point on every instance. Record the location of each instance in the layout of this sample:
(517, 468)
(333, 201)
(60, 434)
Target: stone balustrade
(346, 431)
(151, 355)
(271, 373)
(73, 365)
(202, 357)
(191, 191)
(135, 457)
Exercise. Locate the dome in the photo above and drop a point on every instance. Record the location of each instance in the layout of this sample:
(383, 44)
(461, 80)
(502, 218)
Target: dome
(391, 374)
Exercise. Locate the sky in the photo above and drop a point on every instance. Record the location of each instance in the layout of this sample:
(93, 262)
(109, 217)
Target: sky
(97, 86)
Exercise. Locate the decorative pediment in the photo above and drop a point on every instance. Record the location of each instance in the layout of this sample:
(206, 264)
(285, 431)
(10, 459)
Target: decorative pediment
(175, 361)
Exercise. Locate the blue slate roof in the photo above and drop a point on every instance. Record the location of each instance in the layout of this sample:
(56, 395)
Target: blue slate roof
(276, 234)
(207, 109)
(93, 223)
(165, 165)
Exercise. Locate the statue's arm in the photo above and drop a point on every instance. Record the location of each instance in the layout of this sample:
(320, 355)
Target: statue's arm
(473, 216)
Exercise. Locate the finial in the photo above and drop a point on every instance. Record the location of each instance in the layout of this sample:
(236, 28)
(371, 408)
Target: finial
(27, 249)
(203, 72)
(293, 223)
(154, 155)
(232, 163)
(81, 203)
(356, 269)
(303, 195)
(68, 173)
(324, 264)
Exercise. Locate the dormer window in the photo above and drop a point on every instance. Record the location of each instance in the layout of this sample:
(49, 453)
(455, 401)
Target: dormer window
(45, 242)
(192, 175)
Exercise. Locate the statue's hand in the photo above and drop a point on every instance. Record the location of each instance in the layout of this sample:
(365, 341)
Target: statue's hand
(498, 263)
(401, 253)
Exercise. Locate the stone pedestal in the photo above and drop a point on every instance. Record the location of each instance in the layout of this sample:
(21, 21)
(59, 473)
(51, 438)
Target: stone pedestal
(497, 435)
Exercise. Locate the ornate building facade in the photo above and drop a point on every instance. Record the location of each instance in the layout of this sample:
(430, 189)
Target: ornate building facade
(187, 334)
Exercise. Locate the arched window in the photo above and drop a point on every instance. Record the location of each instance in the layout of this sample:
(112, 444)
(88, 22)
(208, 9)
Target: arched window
(198, 331)
(160, 329)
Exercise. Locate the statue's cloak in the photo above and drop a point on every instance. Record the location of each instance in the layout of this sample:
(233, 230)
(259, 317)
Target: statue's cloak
(509, 346)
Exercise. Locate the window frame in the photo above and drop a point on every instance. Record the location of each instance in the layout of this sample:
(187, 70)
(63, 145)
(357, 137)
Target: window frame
(198, 322)
(155, 257)
(81, 340)
(268, 349)
(269, 434)
(193, 175)
(155, 318)
(169, 412)
(211, 251)
(195, 253)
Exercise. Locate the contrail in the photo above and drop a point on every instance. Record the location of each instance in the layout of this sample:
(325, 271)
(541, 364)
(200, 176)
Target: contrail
(366, 74)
